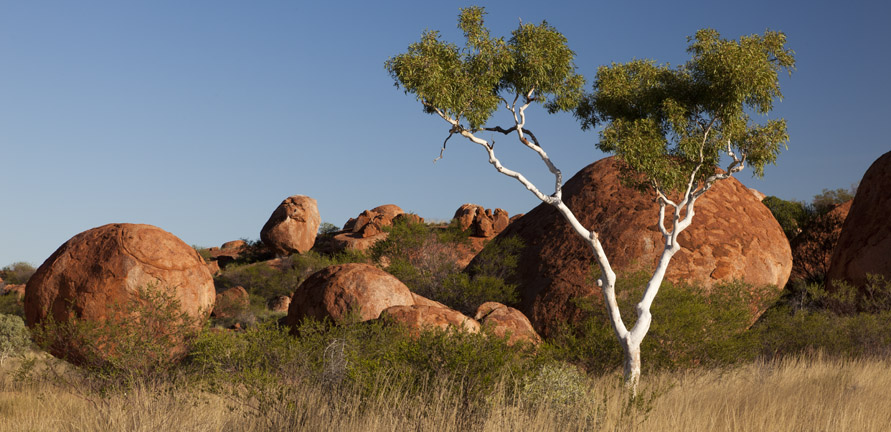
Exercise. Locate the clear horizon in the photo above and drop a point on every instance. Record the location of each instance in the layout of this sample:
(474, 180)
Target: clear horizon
(201, 117)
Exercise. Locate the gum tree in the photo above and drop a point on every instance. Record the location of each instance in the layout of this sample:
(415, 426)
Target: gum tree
(668, 126)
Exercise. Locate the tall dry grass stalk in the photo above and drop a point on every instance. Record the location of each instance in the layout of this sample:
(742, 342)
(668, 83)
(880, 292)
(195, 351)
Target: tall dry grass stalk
(799, 394)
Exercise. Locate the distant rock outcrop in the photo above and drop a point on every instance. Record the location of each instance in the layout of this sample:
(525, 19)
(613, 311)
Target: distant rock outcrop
(733, 236)
(864, 245)
(337, 291)
(363, 231)
(97, 273)
(293, 226)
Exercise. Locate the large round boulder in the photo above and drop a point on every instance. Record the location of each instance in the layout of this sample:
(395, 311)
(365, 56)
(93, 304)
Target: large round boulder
(293, 226)
(864, 245)
(338, 291)
(101, 275)
(505, 321)
(733, 236)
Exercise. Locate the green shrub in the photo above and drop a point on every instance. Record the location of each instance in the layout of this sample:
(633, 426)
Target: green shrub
(265, 282)
(17, 273)
(141, 339)
(11, 305)
(691, 327)
(557, 385)
(14, 336)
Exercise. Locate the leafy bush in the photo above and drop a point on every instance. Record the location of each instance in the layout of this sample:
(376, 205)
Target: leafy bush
(426, 260)
(557, 385)
(14, 336)
(264, 282)
(142, 338)
(328, 228)
(11, 305)
(17, 273)
(792, 215)
(691, 326)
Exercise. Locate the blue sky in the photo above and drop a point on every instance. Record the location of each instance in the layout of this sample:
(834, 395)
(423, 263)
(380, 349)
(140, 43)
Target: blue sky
(200, 117)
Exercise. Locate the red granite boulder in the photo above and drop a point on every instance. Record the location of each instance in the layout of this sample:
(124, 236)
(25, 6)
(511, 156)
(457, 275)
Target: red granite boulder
(98, 275)
(231, 302)
(338, 291)
(293, 226)
(733, 236)
(507, 321)
(864, 245)
(423, 317)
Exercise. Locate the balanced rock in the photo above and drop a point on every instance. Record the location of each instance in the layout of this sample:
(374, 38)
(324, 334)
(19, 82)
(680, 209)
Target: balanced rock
(231, 302)
(733, 236)
(96, 275)
(864, 245)
(338, 291)
(293, 226)
(507, 321)
(812, 248)
(423, 317)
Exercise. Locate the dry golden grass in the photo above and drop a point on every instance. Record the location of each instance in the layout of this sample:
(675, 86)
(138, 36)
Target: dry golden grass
(808, 394)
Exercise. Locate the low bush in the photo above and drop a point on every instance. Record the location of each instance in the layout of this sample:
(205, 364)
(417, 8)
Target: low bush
(141, 339)
(691, 327)
(14, 336)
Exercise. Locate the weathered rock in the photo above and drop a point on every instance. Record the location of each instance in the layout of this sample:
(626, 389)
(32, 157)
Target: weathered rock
(231, 302)
(293, 226)
(234, 245)
(421, 317)
(864, 245)
(812, 247)
(96, 274)
(480, 221)
(758, 195)
(505, 320)
(335, 292)
(733, 236)
(365, 230)
(424, 301)
(279, 304)
(213, 267)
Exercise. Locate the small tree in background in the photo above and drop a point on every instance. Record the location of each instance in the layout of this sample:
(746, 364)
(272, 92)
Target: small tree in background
(669, 127)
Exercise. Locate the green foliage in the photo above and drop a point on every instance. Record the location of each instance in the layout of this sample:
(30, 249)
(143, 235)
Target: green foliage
(141, 339)
(468, 84)
(17, 273)
(557, 385)
(11, 305)
(691, 327)
(792, 215)
(265, 281)
(14, 336)
(327, 229)
(426, 260)
(663, 122)
(204, 252)
(846, 322)
(828, 199)
(265, 365)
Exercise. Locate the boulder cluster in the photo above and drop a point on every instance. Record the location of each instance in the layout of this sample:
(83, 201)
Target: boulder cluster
(733, 237)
